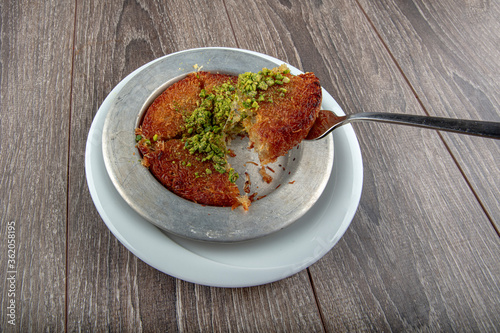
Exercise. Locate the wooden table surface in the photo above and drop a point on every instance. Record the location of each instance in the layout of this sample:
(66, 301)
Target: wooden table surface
(422, 252)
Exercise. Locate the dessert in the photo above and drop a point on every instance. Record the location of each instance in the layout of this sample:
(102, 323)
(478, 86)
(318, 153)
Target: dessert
(184, 135)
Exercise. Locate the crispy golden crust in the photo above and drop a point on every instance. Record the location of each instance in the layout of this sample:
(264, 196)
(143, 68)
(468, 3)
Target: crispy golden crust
(165, 116)
(166, 158)
(275, 128)
(211, 80)
(283, 123)
(168, 162)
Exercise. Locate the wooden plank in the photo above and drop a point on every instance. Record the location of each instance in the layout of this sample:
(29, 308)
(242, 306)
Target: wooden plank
(35, 98)
(106, 283)
(421, 252)
(284, 306)
(450, 56)
(108, 287)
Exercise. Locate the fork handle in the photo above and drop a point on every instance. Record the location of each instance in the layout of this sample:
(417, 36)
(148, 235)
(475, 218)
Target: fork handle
(472, 127)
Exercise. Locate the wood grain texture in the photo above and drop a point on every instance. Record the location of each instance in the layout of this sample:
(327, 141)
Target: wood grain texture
(421, 252)
(284, 306)
(449, 53)
(108, 287)
(35, 91)
(405, 265)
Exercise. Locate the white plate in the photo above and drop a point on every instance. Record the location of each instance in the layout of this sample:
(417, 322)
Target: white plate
(241, 264)
(299, 177)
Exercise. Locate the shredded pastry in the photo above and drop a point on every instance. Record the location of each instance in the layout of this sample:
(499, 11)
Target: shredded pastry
(185, 132)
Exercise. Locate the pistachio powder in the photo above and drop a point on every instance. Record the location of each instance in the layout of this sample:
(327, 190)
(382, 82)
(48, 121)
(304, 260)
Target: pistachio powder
(219, 114)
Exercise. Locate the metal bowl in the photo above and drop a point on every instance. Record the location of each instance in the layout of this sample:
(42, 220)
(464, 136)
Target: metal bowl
(299, 178)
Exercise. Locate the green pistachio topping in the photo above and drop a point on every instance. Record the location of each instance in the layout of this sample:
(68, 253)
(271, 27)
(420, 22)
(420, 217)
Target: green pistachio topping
(206, 126)
(233, 176)
(253, 85)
